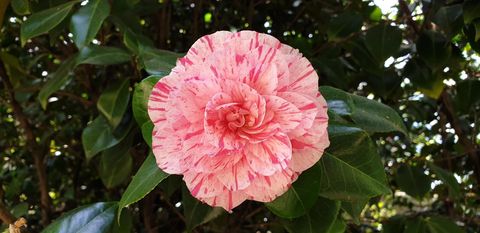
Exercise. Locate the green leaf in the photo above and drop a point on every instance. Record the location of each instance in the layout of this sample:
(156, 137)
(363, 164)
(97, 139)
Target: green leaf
(96, 217)
(339, 226)
(440, 224)
(20, 210)
(116, 163)
(395, 224)
(103, 55)
(57, 80)
(416, 225)
(197, 213)
(354, 172)
(374, 116)
(141, 94)
(20, 7)
(320, 219)
(413, 181)
(344, 25)
(88, 20)
(147, 129)
(468, 95)
(354, 208)
(44, 21)
(368, 114)
(124, 225)
(299, 198)
(147, 178)
(434, 49)
(383, 41)
(338, 101)
(449, 18)
(114, 101)
(448, 179)
(97, 136)
(158, 62)
(471, 10)
(134, 42)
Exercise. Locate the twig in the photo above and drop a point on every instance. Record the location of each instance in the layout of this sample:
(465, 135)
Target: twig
(32, 146)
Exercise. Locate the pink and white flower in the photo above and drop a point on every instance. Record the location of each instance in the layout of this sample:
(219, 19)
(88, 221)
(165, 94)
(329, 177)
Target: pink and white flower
(240, 117)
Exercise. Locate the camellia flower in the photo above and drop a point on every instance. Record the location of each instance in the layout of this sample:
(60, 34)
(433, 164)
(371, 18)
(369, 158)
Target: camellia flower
(240, 117)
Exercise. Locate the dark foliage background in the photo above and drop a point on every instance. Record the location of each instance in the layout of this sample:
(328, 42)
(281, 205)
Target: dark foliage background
(71, 120)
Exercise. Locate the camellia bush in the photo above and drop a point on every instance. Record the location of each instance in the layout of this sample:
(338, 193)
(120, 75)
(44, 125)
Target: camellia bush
(400, 79)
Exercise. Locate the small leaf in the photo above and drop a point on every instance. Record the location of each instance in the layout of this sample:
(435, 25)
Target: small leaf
(44, 21)
(413, 181)
(383, 41)
(97, 136)
(114, 101)
(96, 217)
(57, 80)
(103, 55)
(299, 198)
(197, 213)
(320, 219)
(141, 94)
(87, 21)
(449, 18)
(147, 178)
(21, 7)
(468, 95)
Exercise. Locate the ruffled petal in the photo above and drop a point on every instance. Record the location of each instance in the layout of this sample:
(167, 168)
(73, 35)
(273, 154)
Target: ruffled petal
(267, 188)
(269, 156)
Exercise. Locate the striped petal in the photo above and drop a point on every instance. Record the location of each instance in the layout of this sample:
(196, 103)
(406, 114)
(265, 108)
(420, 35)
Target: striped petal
(269, 156)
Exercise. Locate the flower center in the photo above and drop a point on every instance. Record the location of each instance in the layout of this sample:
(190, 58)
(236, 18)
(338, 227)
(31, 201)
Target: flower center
(236, 117)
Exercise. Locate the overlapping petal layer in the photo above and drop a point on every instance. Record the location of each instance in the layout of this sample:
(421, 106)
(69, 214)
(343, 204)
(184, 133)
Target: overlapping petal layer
(240, 117)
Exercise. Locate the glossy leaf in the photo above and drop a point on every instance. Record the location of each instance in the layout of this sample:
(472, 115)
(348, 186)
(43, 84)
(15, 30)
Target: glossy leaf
(87, 21)
(413, 181)
(141, 94)
(351, 173)
(383, 41)
(145, 180)
(374, 116)
(97, 136)
(57, 80)
(147, 129)
(320, 219)
(44, 21)
(197, 213)
(114, 101)
(96, 217)
(103, 55)
(299, 198)
(158, 62)
(125, 223)
(368, 114)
